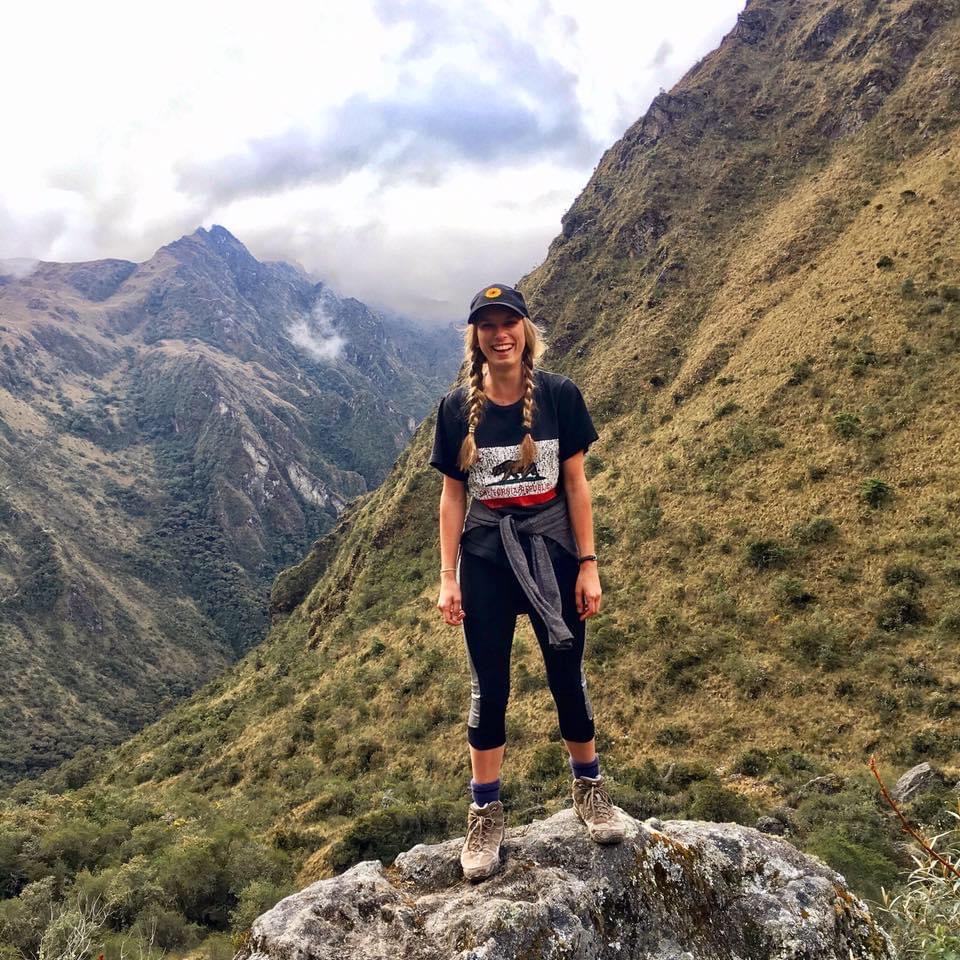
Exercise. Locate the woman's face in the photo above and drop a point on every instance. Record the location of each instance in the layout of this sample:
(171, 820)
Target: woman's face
(500, 337)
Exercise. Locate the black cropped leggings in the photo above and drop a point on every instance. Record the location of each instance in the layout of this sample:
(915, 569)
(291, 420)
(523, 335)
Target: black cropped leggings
(492, 599)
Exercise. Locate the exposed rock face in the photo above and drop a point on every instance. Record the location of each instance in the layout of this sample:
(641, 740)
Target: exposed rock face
(675, 889)
(917, 780)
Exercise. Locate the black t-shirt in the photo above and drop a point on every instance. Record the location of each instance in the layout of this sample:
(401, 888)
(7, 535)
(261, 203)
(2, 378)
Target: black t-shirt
(561, 428)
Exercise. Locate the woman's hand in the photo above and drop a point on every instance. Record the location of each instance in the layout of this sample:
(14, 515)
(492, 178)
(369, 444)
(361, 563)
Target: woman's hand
(449, 602)
(588, 590)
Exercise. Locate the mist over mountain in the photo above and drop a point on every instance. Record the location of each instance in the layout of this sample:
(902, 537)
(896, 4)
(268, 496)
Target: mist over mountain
(758, 291)
(174, 432)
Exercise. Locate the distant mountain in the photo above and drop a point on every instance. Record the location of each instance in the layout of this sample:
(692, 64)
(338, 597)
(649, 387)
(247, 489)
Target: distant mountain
(172, 433)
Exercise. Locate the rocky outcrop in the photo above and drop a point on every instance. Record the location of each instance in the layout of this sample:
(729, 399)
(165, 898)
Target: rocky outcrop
(917, 780)
(674, 889)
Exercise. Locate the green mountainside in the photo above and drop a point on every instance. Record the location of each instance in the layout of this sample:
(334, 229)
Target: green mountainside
(759, 293)
(172, 433)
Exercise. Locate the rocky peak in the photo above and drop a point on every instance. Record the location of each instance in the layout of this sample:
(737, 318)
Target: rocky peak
(672, 890)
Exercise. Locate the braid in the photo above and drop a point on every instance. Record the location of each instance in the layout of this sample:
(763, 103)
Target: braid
(475, 400)
(528, 449)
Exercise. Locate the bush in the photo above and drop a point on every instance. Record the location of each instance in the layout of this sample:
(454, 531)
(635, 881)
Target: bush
(592, 465)
(800, 370)
(876, 492)
(753, 763)
(382, 834)
(900, 608)
(710, 800)
(256, 898)
(766, 554)
(924, 918)
(672, 736)
(793, 593)
(725, 409)
(818, 642)
(846, 425)
(904, 573)
(815, 530)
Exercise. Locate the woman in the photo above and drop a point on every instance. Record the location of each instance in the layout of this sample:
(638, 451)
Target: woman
(514, 438)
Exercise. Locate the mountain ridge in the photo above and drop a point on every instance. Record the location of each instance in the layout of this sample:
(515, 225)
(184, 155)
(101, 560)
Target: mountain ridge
(202, 418)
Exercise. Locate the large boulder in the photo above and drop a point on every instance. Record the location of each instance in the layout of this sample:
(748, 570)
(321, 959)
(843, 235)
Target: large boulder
(917, 780)
(675, 889)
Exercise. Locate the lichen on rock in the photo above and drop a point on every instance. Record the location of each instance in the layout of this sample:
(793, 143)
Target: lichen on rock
(674, 889)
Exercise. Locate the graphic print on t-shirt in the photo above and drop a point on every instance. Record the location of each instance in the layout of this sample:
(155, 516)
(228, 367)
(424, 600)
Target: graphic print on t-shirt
(496, 474)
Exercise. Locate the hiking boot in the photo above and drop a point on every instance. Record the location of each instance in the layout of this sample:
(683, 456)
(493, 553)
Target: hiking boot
(591, 802)
(480, 856)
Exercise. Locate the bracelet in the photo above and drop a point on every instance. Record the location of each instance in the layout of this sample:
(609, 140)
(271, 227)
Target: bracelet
(589, 556)
(448, 569)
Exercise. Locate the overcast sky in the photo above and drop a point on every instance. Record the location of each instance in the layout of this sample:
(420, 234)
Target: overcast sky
(407, 153)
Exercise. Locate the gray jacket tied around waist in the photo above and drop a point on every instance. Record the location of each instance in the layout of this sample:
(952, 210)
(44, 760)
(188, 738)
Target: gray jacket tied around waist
(538, 579)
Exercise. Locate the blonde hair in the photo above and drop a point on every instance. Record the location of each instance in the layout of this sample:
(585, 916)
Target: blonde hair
(471, 376)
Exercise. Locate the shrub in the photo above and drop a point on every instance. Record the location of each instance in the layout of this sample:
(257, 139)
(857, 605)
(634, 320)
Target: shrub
(753, 763)
(751, 679)
(725, 409)
(647, 515)
(766, 554)
(382, 834)
(710, 800)
(900, 608)
(815, 530)
(800, 370)
(846, 425)
(255, 898)
(672, 736)
(949, 622)
(904, 573)
(818, 642)
(923, 919)
(592, 465)
(792, 592)
(876, 492)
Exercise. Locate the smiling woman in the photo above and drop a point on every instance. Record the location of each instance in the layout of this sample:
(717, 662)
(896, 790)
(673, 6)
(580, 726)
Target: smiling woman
(514, 438)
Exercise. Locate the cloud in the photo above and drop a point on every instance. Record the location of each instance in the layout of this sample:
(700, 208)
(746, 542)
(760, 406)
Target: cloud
(317, 335)
(457, 119)
(18, 267)
(662, 54)
(469, 90)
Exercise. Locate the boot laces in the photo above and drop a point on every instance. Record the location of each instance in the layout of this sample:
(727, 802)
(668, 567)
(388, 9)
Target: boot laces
(596, 801)
(475, 832)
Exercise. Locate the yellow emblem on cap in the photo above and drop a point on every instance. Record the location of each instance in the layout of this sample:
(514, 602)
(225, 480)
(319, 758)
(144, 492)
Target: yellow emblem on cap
(493, 292)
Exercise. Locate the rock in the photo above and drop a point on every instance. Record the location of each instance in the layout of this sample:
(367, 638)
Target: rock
(771, 825)
(916, 780)
(690, 889)
(831, 783)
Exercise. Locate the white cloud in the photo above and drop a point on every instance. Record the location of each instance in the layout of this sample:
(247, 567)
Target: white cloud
(403, 150)
(317, 335)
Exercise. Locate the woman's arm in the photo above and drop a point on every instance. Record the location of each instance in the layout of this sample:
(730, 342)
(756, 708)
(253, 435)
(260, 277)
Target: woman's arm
(581, 520)
(453, 509)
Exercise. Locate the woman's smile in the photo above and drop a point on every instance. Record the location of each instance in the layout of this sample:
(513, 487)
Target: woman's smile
(500, 335)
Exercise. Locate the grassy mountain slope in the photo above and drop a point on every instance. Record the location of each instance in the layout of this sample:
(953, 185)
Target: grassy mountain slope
(758, 292)
(171, 435)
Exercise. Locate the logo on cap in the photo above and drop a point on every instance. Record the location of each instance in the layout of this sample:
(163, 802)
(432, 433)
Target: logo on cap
(492, 292)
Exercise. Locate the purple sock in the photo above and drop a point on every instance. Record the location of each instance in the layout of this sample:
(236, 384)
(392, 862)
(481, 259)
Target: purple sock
(589, 769)
(484, 793)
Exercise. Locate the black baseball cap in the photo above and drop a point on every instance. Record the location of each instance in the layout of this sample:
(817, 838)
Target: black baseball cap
(498, 295)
